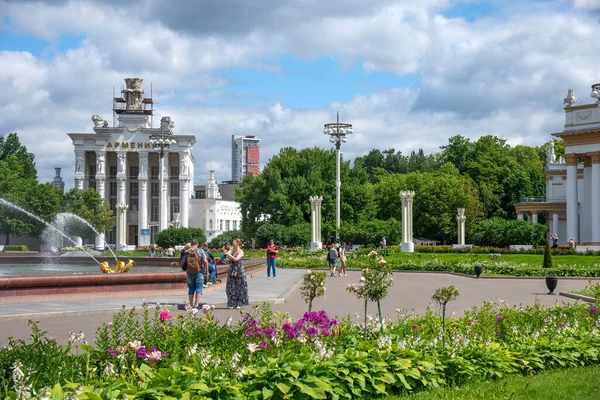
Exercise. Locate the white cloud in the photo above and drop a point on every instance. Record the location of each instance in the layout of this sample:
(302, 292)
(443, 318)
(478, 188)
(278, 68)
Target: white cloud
(504, 75)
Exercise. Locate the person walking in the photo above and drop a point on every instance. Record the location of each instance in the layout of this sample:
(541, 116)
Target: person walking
(197, 267)
(572, 244)
(343, 259)
(272, 259)
(212, 271)
(237, 285)
(333, 256)
(554, 241)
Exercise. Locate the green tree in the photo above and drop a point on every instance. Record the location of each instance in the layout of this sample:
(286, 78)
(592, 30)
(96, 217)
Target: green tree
(179, 236)
(88, 205)
(547, 256)
(11, 146)
(227, 237)
(499, 232)
(45, 201)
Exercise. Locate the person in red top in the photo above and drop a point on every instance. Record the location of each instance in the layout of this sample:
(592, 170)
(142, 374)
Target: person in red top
(271, 259)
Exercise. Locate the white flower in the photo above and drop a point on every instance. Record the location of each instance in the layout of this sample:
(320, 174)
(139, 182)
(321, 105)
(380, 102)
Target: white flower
(228, 323)
(193, 349)
(109, 369)
(362, 279)
(136, 344)
(252, 347)
(309, 272)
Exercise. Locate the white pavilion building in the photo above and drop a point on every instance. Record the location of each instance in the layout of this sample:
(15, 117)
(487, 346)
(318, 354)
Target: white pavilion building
(148, 189)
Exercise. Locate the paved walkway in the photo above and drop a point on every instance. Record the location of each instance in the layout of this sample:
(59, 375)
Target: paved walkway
(411, 291)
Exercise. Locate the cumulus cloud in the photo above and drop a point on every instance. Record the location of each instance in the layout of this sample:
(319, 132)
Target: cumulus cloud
(503, 74)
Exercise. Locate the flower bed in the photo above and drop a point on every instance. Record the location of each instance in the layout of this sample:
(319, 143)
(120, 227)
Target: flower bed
(154, 354)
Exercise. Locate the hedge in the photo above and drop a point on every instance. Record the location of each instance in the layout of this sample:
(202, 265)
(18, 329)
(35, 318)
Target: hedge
(16, 247)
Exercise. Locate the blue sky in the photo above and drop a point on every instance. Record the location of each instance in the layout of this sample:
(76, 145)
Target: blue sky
(408, 74)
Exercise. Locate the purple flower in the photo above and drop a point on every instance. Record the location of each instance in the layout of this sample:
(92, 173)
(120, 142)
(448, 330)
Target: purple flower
(111, 352)
(498, 319)
(270, 331)
(263, 345)
(325, 332)
(593, 311)
(246, 317)
(312, 331)
(248, 332)
(415, 326)
(497, 332)
(253, 323)
(141, 353)
(291, 334)
(333, 322)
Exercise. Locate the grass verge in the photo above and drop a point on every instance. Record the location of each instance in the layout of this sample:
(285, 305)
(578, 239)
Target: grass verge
(573, 384)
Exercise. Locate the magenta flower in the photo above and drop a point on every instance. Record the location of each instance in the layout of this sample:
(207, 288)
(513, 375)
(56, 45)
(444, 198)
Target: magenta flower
(499, 319)
(165, 315)
(248, 332)
(312, 331)
(593, 311)
(415, 326)
(111, 352)
(263, 345)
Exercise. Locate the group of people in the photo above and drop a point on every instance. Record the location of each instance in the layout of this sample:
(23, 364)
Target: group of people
(337, 257)
(156, 251)
(199, 263)
(554, 238)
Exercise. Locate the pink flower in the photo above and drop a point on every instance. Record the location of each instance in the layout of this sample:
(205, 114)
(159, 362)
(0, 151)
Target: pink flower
(165, 315)
(154, 356)
(136, 344)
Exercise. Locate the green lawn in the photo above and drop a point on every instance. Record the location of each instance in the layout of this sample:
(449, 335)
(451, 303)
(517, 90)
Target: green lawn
(572, 384)
(531, 259)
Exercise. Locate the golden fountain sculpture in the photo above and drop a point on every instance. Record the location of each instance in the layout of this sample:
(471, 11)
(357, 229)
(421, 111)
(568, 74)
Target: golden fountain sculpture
(119, 268)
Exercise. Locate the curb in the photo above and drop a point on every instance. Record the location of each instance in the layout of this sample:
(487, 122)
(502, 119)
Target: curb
(578, 297)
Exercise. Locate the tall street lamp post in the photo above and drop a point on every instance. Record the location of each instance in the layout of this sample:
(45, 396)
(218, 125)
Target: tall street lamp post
(162, 141)
(337, 132)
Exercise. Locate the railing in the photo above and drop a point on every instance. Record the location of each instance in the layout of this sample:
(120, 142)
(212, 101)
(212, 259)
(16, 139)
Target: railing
(541, 199)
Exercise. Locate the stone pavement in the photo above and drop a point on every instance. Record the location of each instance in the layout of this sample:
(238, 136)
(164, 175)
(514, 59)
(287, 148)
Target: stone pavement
(411, 291)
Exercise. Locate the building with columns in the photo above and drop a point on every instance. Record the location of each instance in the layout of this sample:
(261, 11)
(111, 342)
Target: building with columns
(147, 184)
(572, 202)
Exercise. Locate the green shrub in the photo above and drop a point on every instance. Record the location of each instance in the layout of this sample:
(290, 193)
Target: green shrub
(227, 237)
(547, 256)
(16, 247)
(179, 236)
(500, 232)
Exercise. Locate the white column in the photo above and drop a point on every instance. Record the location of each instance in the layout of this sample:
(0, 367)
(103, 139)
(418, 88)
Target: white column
(101, 189)
(121, 200)
(407, 245)
(184, 188)
(520, 216)
(534, 217)
(79, 169)
(143, 193)
(315, 207)
(461, 226)
(555, 223)
(572, 198)
(184, 202)
(595, 197)
(164, 202)
(586, 205)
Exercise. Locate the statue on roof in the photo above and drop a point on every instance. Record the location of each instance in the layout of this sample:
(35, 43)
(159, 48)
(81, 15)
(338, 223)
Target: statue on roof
(133, 94)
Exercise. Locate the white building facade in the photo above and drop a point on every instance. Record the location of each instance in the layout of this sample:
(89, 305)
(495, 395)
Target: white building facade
(213, 214)
(148, 186)
(572, 203)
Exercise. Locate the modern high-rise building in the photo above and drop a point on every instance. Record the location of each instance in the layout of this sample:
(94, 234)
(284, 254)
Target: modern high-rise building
(245, 157)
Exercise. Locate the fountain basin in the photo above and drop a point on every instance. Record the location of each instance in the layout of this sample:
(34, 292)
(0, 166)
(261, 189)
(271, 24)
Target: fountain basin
(99, 282)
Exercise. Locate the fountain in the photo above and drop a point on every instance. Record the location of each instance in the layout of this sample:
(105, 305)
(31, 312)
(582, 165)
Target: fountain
(104, 267)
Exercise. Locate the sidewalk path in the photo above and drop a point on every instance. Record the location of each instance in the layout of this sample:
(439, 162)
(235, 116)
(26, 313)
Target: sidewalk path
(411, 291)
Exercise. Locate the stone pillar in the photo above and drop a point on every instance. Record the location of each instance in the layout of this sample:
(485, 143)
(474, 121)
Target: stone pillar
(595, 197)
(143, 193)
(101, 189)
(121, 201)
(315, 217)
(79, 169)
(407, 245)
(555, 223)
(184, 202)
(572, 198)
(585, 229)
(534, 217)
(184, 189)
(461, 226)
(164, 198)
(520, 216)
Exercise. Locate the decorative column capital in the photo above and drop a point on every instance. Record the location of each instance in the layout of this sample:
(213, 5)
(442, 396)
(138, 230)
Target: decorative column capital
(571, 159)
(316, 199)
(595, 157)
(407, 195)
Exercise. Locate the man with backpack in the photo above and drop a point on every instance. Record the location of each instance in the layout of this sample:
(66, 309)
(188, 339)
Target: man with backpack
(193, 262)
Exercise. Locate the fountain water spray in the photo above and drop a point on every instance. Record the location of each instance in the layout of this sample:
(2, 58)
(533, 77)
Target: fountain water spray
(83, 221)
(14, 206)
